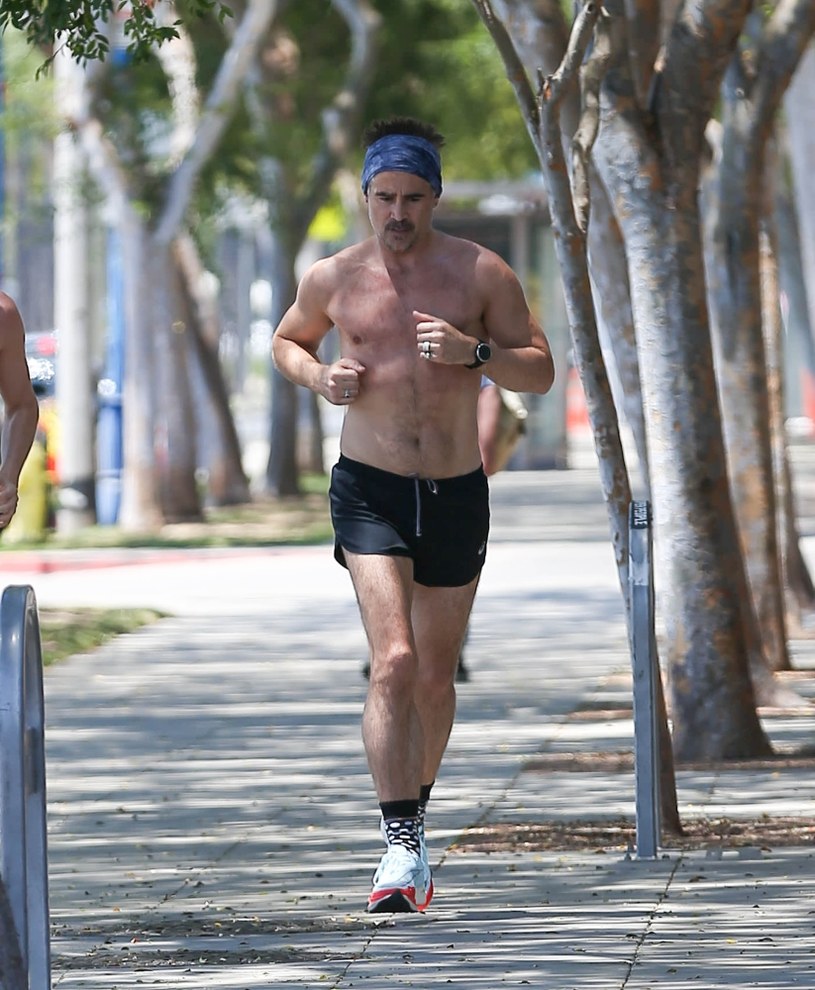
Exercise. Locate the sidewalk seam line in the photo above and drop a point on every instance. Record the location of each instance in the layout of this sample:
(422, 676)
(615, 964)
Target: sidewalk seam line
(649, 923)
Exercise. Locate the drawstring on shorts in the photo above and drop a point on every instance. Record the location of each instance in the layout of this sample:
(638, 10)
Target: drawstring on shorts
(433, 488)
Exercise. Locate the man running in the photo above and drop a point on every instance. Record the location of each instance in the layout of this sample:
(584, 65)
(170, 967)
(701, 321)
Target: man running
(420, 315)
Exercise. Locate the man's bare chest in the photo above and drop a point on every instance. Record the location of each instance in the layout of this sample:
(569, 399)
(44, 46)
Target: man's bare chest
(375, 308)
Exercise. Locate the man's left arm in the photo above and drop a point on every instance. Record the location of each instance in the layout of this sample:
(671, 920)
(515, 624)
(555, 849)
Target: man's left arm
(520, 358)
(517, 355)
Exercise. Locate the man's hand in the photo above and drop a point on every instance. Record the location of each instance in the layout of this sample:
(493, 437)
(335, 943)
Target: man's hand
(8, 502)
(341, 381)
(439, 341)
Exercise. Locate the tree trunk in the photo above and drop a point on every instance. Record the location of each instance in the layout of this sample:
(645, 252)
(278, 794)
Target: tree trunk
(227, 482)
(176, 454)
(152, 448)
(799, 339)
(774, 348)
(752, 93)
(140, 510)
(75, 395)
(797, 582)
(539, 34)
(293, 206)
(651, 173)
(569, 209)
(800, 114)
(282, 474)
(612, 299)
(736, 315)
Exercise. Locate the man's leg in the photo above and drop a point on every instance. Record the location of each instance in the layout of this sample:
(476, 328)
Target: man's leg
(392, 729)
(439, 620)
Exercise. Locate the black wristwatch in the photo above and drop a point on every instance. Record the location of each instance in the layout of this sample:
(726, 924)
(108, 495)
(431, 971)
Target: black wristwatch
(483, 352)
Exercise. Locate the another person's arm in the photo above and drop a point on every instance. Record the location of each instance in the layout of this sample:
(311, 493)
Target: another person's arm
(489, 421)
(21, 410)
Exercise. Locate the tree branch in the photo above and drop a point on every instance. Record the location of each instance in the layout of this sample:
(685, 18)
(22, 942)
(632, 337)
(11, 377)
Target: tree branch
(786, 37)
(217, 113)
(514, 67)
(551, 93)
(340, 116)
(564, 76)
(591, 75)
(177, 59)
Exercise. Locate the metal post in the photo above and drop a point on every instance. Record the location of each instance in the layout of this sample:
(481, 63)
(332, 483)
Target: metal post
(109, 448)
(644, 669)
(22, 781)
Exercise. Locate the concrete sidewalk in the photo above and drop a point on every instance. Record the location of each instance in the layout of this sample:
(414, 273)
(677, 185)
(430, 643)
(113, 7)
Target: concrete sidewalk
(212, 822)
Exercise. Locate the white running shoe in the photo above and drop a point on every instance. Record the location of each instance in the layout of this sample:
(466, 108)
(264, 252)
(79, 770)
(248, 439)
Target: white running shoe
(401, 883)
(422, 840)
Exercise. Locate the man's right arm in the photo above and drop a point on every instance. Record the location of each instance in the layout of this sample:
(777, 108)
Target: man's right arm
(21, 411)
(299, 334)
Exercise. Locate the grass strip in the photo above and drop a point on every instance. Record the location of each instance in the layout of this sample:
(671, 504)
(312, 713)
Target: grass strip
(64, 632)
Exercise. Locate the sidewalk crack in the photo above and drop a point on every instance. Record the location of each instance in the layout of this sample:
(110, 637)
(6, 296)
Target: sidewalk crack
(649, 924)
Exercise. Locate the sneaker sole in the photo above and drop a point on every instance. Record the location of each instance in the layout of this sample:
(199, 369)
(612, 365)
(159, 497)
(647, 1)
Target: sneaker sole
(397, 902)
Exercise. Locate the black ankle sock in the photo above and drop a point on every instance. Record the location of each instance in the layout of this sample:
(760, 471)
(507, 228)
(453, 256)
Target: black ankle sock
(424, 797)
(401, 823)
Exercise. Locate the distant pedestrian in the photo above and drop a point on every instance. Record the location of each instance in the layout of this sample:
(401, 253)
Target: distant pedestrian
(418, 313)
(20, 407)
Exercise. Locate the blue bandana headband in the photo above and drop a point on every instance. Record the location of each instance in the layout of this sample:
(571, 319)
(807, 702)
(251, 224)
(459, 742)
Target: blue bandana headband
(403, 153)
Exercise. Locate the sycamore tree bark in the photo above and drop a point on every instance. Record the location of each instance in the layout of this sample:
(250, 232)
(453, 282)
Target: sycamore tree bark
(797, 577)
(756, 79)
(569, 216)
(800, 114)
(539, 34)
(195, 137)
(160, 457)
(140, 504)
(227, 483)
(649, 154)
(773, 329)
(75, 391)
(569, 207)
(654, 104)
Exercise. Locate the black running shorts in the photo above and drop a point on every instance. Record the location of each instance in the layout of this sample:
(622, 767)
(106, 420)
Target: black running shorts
(442, 525)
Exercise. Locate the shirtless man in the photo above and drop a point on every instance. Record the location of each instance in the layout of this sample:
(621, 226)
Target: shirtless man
(419, 314)
(20, 407)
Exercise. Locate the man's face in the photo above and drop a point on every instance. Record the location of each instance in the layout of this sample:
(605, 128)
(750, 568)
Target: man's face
(400, 208)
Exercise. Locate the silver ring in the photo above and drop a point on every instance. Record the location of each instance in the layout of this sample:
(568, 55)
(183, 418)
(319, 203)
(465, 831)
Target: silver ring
(346, 394)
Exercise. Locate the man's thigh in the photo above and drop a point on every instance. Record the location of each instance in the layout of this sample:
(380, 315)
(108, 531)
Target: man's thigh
(398, 613)
(384, 589)
(439, 620)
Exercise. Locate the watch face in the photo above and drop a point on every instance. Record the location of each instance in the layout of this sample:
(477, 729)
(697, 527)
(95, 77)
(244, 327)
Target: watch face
(483, 352)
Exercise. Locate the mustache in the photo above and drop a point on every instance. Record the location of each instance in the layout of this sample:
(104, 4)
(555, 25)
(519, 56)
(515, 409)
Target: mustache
(399, 225)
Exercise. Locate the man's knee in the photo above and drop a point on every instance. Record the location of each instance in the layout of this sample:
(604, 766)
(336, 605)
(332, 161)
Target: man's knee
(395, 669)
(435, 680)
